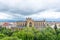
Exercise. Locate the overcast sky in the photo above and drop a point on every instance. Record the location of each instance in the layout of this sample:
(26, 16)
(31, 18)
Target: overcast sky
(36, 9)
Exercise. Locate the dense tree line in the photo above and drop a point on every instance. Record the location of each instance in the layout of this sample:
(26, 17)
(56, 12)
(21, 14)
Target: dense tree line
(28, 33)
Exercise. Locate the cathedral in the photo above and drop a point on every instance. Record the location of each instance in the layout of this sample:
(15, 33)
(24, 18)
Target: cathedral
(31, 23)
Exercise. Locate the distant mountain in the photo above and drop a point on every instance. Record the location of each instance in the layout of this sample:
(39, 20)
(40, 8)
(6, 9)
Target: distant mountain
(15, 20)
(10, 20)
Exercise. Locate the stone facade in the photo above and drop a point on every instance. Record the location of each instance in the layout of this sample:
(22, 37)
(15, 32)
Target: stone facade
(31, 23)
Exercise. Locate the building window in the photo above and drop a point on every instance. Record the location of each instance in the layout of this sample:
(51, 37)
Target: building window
(30, 24)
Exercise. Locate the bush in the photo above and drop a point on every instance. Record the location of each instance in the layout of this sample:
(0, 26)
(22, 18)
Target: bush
(2, 36)
(30, 34)
(11, 38)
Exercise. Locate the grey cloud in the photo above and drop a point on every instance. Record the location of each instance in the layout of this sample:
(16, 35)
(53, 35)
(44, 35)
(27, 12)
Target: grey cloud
(4, 8)
(27, 9)
(23, 8)
(25, 12)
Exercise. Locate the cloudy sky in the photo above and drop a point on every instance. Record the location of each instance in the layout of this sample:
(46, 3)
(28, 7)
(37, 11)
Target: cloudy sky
(36, 9)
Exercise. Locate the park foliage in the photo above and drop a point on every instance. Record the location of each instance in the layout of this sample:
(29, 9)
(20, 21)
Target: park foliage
(30, 33)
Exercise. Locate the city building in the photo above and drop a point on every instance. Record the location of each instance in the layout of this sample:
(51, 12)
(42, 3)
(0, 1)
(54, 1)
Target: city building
(29, 22)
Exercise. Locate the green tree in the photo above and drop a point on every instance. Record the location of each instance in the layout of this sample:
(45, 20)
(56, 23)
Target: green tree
(58, 37)
(7, 32)
(2, 36)
(49, 34)
(21, 34)
(11, 38)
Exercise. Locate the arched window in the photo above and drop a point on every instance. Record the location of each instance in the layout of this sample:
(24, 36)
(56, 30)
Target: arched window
(30, 24)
